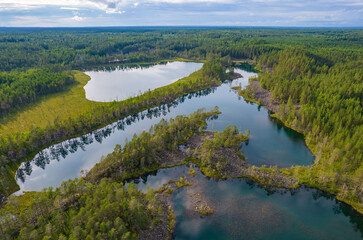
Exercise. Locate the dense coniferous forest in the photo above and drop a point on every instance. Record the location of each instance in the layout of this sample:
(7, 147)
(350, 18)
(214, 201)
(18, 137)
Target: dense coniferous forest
(80, 210)
(19, 88)
(321, 94)
(100, 206)
(144, 152)
(17, 146)
(82, 48)
(316, 75)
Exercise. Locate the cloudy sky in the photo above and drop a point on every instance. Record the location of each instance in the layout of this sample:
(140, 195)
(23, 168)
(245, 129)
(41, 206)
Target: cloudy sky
(76, 13)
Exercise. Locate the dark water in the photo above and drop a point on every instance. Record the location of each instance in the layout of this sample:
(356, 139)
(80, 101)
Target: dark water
(244, 210)
(270, 142)
(122, 82)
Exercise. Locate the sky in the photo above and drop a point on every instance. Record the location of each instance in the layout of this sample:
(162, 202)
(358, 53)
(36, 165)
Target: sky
(81, 13)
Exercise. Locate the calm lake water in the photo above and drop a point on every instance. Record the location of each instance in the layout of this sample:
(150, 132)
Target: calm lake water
(120, 83)
(242, 209)
(270, 142)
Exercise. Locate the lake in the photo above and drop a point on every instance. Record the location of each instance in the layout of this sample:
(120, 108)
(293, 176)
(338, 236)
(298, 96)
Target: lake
(270, 143)
(122, 82)
(243, 210)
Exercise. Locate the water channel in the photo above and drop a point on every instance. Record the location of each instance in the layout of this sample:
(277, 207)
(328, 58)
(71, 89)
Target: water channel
(243, 209)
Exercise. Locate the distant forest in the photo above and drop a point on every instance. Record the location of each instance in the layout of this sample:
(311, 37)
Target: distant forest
(315, 74)
(84, 47)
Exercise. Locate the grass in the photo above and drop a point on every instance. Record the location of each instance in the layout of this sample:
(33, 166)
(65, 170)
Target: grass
(171, 220)
(181, 183)
(62, 105)
(19, 204)
(192, 172)
(71, 104)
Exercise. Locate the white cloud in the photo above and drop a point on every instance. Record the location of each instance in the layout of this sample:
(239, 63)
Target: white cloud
(193, 1)
(104, 5)
(77, 18)
(69, 8)
(114, 11)
(110, 6)
(183, 12)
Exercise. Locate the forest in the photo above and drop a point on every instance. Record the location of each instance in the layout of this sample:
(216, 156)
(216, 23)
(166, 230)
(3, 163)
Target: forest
(83, 48)
(20, 88)
(100, 205)
(17, 146)
(145, 152)
(81, 210)
(322, 96)
(315, 75)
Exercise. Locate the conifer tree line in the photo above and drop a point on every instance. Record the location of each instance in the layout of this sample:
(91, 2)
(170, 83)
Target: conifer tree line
(100, 205)
(316, 75)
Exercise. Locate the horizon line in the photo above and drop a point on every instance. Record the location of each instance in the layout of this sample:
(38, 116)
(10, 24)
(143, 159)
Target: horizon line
(188, 26)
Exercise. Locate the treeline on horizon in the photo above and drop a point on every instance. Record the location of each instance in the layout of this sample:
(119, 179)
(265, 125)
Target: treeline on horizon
(23, 51)
(315, 74)
(82, 48)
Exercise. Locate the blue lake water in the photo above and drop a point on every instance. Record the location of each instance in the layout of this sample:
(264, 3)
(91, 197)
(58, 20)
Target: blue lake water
(120, 83)
(270, 142)
(243, 210)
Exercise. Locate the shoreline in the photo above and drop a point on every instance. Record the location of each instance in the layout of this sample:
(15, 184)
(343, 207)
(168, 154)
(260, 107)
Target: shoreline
(261, 93)
(144, 102)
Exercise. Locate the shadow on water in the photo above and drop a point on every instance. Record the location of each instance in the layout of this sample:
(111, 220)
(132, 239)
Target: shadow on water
(124, 67)
(63, 149)
(243, 209)
(279, 126)
(247, 67)
(266, 145)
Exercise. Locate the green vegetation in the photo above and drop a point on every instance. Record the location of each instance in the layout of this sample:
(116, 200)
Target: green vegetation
(320, 94)
(166, 189)
(171, 220)
(80, 210)
(192, 172)
(247, 94)
(146, 152)
(182, 182)
(315, 75)
(213, 163)
(51, 108)
(20, 88)
(259, 102)
(78, 48)
(204, 210)
(106, 209)
(99, 206)
(17, 146)
(271, 177)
